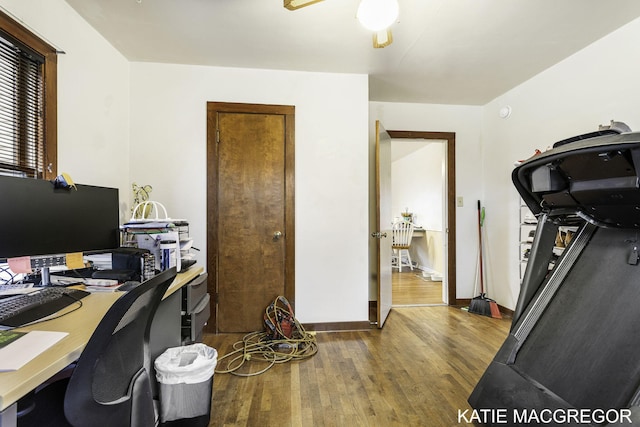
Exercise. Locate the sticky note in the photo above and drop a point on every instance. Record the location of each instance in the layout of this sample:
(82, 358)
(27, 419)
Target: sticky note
(20, 264)
(74, 260)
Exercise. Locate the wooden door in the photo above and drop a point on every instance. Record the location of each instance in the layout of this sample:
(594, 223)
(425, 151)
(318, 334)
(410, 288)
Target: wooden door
(250, 237)
(384, 221)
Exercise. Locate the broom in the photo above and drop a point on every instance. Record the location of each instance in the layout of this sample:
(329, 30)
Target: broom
(482, 304)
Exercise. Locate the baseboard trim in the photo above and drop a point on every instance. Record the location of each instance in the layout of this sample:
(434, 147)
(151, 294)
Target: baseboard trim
(337, 326)
(465, 302)
(459, 303)
(506, 311)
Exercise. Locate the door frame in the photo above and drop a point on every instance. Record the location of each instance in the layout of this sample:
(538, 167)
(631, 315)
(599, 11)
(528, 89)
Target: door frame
(288, 111)
(450, 160)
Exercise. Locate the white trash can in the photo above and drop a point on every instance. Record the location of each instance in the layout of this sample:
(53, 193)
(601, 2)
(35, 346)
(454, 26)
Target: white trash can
(185, 379)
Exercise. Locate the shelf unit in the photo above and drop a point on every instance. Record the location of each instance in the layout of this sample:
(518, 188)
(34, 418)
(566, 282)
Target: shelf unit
(528, 224)
(195, 305)
(147, 235)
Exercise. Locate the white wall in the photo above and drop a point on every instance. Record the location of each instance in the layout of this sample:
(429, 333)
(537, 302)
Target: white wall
(168, 151)
(164, 117)
(466, 122)
(93, 95)
(592, 87)
(95, 109)
(418, 184)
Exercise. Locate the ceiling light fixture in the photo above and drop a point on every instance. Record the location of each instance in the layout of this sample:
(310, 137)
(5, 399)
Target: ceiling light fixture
(374, 15)
(382, 38)
(377, 15)
(297, 4)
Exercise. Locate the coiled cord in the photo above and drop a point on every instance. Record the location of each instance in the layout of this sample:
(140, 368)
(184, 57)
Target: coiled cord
(262, 347)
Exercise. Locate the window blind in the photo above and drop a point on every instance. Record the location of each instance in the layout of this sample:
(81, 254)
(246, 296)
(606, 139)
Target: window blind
(21, 110)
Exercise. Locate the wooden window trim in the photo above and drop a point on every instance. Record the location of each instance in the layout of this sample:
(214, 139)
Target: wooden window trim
(50, 77)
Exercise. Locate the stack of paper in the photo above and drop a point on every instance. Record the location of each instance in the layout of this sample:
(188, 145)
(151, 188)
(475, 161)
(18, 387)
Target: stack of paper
(101, 285)
(21, 348)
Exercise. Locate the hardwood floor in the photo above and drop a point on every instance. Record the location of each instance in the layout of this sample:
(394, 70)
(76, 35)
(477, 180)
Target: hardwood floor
(411, 288)
(417, 371)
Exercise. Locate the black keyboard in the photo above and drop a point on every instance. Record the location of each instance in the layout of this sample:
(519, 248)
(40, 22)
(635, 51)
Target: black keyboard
(23, 309)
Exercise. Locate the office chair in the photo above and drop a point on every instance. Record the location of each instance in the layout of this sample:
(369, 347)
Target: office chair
(111, 382)
(402, 232)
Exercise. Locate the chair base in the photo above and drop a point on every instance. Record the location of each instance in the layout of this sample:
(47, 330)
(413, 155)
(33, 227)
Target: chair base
(396, 259)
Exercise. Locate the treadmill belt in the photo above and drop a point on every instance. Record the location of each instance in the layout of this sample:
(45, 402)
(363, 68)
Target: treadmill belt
(586, 346)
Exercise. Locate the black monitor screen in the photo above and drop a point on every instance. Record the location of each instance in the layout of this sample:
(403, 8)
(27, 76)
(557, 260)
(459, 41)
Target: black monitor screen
(37, 219)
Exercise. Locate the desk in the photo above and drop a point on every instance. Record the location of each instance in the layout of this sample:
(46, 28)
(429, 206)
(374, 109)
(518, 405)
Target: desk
(80, 325)
(418, 232)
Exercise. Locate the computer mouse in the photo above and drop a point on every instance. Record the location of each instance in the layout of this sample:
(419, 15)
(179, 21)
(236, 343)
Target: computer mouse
(128, 285)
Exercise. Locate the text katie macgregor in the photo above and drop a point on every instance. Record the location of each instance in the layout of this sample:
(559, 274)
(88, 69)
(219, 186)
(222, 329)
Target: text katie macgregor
(545, 416)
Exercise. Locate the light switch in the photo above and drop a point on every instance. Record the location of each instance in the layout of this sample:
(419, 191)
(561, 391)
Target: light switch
(459, 201)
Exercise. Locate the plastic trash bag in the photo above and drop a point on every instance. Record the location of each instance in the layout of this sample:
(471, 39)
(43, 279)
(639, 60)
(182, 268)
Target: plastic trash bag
(185, 377)
(189, 364)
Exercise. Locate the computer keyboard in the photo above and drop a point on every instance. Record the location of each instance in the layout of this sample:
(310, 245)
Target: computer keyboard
(23, 309)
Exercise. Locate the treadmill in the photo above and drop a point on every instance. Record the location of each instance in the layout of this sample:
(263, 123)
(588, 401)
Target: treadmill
(572, 356)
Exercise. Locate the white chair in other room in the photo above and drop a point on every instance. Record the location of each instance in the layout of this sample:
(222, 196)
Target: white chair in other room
(402, 233)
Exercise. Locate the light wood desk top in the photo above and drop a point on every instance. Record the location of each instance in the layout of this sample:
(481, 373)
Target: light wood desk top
(80, 325)
(419, 232)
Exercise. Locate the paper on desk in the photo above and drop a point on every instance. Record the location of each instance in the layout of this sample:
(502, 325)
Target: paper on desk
(20, 264)
(22, 288)
(27, 347)
(74, 260)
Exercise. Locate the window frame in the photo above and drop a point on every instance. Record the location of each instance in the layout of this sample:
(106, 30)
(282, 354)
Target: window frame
(25, 36)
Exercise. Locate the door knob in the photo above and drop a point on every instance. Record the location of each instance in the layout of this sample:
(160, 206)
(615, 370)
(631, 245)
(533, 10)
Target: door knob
(277, 235)
(378, 235)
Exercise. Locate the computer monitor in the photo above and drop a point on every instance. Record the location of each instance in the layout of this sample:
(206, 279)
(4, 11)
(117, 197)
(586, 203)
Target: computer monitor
(44, 222)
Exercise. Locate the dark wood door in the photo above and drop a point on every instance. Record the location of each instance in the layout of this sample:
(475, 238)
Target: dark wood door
(250, 212)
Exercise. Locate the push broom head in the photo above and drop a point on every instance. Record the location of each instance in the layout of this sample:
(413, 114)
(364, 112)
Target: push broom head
(480, 305)
(485, 307)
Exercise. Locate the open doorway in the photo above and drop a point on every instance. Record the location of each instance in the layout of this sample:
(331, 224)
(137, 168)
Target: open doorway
(418, 193)
(448, 144)
(380, 281)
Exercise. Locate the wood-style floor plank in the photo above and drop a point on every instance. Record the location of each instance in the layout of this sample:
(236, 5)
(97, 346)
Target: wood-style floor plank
(417, 371)
(409, 287)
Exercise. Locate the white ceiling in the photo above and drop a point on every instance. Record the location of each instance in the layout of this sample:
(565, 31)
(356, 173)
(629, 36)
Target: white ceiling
(444, 51)
(403, 147)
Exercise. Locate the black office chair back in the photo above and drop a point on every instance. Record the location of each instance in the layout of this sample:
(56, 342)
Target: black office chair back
(111, 384)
